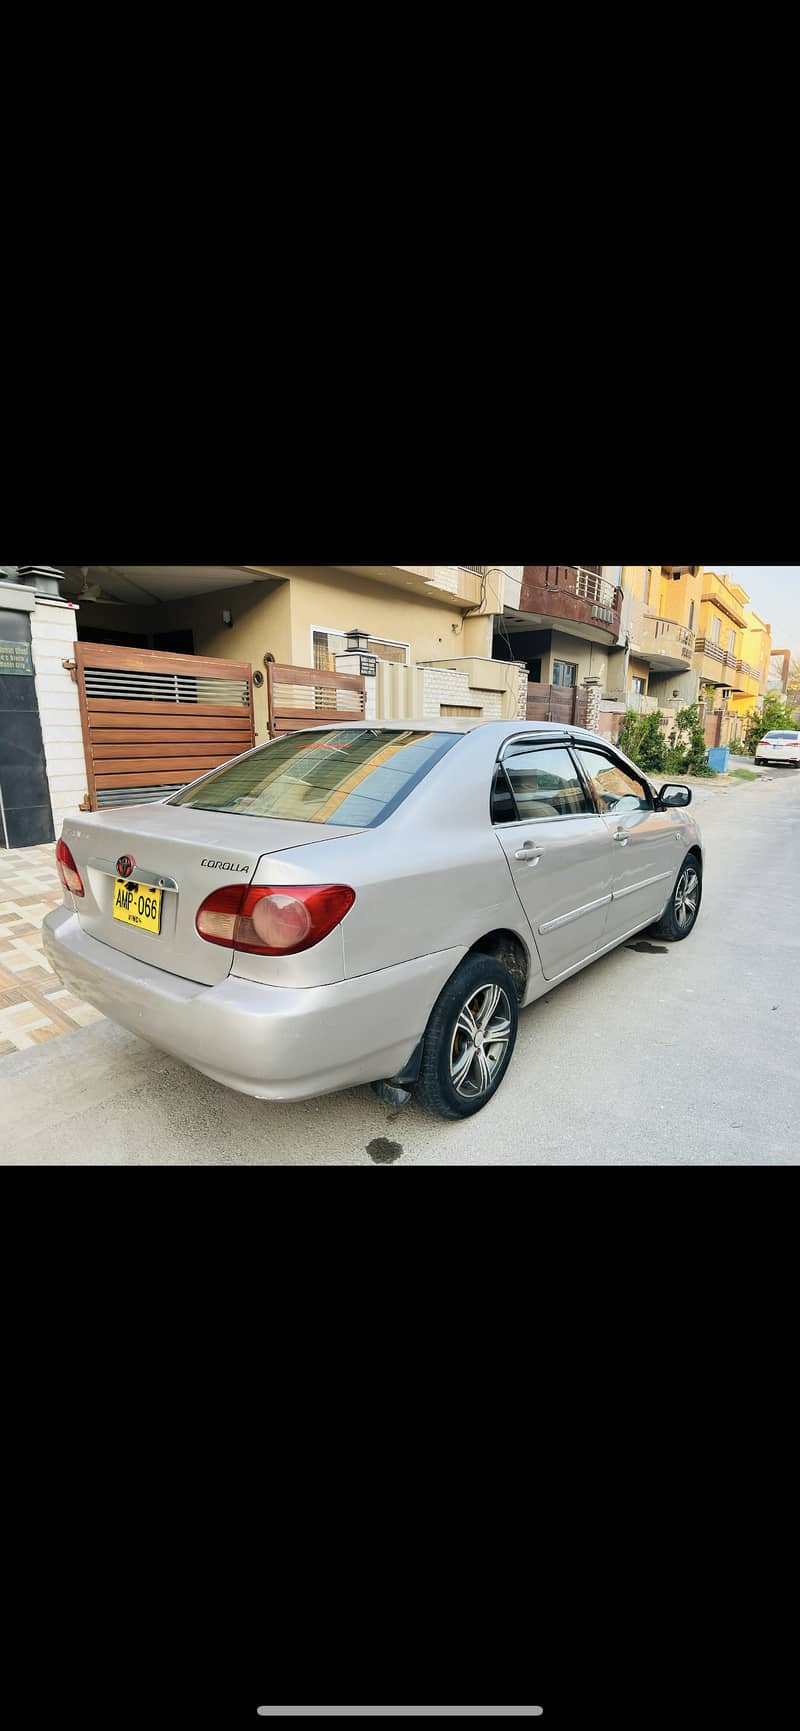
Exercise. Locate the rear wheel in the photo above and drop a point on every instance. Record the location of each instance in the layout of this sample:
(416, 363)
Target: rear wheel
(683, 906)
(758, 762)
(469, 1039)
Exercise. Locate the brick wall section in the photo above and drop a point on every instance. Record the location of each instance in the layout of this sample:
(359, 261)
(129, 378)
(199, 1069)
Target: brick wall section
(53, 633)
(594, 692)
(447, 685)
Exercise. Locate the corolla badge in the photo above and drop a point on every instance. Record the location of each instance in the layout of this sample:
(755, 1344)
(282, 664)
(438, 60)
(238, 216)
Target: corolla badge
(126, 864)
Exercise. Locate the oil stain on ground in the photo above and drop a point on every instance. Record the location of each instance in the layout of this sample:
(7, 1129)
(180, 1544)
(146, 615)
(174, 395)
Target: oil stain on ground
(383, 1152)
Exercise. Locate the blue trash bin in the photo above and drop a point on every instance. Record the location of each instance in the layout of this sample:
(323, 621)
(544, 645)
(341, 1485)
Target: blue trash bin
(718, 758)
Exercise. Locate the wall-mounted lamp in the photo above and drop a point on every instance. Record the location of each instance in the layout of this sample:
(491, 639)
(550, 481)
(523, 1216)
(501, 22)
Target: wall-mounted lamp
(357, 642)
(227, 619)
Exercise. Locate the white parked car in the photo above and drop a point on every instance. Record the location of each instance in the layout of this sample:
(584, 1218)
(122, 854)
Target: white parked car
(780, 746)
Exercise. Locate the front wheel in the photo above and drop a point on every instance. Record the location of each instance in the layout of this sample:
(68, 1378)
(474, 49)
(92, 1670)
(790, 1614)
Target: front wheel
(469, 1039)
(683, 907)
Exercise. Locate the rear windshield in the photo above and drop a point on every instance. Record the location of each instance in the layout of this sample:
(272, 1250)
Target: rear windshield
(352, 776)
(791, 736)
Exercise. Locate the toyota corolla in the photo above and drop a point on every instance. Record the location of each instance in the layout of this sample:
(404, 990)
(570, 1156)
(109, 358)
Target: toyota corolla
(370, 904)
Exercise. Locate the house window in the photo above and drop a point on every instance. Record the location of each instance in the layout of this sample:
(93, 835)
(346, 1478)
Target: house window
(638, 685)
(565, 673)
(691, 616)
(731, 642)
(715, 625)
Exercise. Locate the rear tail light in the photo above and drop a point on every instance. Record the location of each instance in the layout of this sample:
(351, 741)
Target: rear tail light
(68, 871)
(274, 919)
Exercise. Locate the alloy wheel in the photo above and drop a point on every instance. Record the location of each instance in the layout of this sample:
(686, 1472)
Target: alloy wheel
(686, 897)
(480, 1041)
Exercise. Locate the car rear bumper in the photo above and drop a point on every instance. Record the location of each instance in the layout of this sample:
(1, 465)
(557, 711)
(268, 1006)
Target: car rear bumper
(272, 1042)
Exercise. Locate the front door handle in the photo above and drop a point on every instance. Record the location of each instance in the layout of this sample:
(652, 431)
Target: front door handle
(620, 835)
(529, 851)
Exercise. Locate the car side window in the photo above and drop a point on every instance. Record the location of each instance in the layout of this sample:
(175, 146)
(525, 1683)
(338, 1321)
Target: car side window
(614, 787)
(503, 809)
(545, 783)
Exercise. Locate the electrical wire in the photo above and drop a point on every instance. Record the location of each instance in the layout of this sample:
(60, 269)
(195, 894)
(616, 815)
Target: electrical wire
(501, 627)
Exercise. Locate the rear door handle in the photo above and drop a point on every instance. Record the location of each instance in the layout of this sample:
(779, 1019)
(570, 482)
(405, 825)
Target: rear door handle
(529, 851)
(621, 836)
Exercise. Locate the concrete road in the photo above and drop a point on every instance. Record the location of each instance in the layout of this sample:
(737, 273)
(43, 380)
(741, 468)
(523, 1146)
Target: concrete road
(662, 1053)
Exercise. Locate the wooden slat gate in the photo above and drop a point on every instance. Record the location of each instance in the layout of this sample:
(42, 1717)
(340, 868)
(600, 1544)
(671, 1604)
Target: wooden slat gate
(566, 703)
(712, 727)
(306, 697)
(152, 722)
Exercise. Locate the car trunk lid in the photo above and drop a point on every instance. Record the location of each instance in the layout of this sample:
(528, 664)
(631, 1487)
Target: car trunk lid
(186, 854)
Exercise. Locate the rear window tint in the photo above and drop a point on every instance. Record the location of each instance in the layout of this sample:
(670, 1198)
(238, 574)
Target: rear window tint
(793, 737)
(351, 776)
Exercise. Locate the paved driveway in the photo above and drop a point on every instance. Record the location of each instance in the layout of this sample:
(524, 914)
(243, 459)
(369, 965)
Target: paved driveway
(658, 1053)
(34, 1006)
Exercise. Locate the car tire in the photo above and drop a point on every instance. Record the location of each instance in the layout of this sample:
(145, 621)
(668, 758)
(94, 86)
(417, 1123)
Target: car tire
(479, 997)
(680, 914)
(758, 762)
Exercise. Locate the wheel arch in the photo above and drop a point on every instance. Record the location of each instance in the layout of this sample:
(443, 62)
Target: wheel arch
(507, 947)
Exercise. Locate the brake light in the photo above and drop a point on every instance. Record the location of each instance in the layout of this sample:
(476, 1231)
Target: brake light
(273, 919)
(67, 870)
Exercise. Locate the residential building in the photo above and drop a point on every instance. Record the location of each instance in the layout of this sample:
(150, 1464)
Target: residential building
(429, 627)
(729, 682)
(755, 668)
(651, 667)
(564, 627)
(688, 635)
(426, 633)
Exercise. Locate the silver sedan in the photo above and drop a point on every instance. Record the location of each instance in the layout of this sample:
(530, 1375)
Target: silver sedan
(370, 903)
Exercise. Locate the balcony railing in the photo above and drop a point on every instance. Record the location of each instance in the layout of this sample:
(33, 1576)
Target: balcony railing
(678, 633)
(571, 592)
(705, 646)
(593, 588)
(665, 637)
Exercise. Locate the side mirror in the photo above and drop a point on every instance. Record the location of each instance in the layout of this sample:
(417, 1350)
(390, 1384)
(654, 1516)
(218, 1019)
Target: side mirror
(672, 795)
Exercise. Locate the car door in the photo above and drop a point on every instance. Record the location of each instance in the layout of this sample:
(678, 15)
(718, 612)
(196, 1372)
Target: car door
(559, 851)
(646, 842)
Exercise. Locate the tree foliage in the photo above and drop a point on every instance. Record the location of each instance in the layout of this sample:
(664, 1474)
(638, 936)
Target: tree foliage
(775, 712)
(641, 738)
(686, 747)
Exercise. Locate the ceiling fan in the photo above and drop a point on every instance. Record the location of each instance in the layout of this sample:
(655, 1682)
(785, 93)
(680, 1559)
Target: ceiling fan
(89, 591)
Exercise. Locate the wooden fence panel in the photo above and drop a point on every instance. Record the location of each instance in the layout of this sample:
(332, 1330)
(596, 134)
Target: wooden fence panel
(307, 697)
(152, 722)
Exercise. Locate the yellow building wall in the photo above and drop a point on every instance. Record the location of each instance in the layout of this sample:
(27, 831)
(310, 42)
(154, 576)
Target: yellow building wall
(670, 597)
(330, 600)
(756, 649)
(675, 597)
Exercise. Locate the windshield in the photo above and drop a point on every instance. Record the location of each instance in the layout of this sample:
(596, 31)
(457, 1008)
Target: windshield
(350, 776)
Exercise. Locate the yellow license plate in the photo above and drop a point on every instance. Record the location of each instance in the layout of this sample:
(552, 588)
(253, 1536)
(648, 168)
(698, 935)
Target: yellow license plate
(138, 905)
